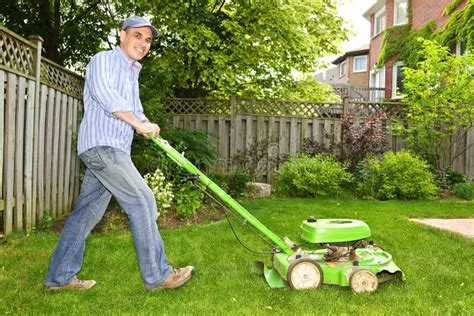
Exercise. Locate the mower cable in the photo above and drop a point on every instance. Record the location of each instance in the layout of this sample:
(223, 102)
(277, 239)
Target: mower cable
(232, 212)
(240, 241)
(226, 211)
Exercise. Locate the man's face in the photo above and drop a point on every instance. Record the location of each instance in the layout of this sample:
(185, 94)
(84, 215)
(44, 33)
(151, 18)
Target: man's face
(135, 42)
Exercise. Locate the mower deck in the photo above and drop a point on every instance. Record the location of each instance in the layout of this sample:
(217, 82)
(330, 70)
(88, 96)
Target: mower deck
(376, 261)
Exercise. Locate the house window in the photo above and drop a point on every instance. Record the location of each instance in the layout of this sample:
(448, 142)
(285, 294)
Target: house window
(360, 63)
(377, 85)
(378, 79)
(343, 68)
(401, 12)
(379, 21)
(397, 80)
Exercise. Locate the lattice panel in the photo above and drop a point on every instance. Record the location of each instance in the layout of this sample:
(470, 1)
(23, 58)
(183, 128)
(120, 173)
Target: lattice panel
(393, 110)
(58, 77)
(194, 106)
(289, 108)
(16, 54)
(283, 108)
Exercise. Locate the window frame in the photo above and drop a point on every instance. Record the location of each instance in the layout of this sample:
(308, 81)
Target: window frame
(376, 82)
(341, 67)
(354, 70)
(378, 14)
(395, 12)
(377, 78)
(396, 66)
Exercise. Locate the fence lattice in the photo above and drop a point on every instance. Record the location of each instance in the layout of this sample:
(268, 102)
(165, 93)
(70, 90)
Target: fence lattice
(303, 109)
(16, 53)
(56, 76)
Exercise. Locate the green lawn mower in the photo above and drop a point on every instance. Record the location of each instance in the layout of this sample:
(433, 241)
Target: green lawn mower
(346, 256)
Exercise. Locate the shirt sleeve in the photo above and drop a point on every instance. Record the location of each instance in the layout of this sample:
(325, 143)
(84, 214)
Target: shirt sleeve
(100, 79)
(140, 115)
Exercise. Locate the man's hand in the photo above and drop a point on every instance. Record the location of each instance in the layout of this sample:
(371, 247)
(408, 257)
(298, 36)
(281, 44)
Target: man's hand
(147, 127)
(142, 127)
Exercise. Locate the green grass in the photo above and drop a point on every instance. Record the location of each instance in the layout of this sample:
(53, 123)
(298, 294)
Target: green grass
(438, 266)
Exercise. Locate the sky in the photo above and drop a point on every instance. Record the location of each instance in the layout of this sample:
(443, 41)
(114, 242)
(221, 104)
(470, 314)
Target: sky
(352, 11)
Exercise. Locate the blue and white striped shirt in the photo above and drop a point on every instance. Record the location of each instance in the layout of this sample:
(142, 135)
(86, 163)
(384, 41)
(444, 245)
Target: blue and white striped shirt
(111, 85)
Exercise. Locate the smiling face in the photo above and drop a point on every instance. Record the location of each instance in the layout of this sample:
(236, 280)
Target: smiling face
(135, 42)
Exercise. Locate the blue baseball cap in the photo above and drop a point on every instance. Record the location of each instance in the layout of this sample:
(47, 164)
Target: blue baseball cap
(137, 21)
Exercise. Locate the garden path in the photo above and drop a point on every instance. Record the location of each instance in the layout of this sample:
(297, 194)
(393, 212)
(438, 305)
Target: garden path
(464, 226)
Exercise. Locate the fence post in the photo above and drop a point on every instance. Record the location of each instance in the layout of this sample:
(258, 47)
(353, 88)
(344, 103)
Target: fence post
(345, 110)
(345, 105)
(467, 156)
(33, 126)
(233, 134)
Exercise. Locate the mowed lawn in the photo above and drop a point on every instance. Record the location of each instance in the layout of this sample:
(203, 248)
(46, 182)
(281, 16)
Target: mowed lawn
(438, 265)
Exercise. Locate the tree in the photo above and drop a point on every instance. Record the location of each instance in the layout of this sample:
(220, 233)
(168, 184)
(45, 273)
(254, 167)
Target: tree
(73, 31)
(306, 89)
(249, 48)
(213, 48)
(440, 103)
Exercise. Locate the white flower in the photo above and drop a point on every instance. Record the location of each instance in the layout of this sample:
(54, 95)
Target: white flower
(162, 190)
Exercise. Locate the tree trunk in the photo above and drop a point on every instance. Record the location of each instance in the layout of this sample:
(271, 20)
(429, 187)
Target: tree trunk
(49, 22)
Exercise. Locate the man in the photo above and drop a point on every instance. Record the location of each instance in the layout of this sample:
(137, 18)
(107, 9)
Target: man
(112, 111)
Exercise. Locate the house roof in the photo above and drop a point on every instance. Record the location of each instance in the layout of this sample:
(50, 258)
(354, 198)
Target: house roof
(355, 52)
(374, 9)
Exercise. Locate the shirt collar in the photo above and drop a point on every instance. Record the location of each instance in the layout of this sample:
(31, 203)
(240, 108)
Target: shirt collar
(131, 63)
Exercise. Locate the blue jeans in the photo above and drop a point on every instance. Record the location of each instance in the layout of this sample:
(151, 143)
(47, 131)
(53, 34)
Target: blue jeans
(110, 171)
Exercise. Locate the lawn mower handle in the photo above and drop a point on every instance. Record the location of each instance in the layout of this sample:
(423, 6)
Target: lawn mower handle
(183, 162)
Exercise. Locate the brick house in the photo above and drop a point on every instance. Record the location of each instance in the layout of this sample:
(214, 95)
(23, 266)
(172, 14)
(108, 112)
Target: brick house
(387, 13)
(351, 76)
(352, 67)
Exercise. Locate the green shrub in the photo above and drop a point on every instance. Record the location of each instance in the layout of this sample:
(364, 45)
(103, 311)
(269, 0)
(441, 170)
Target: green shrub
(455, 177)
(311, 176)
(196, 145)
(188, 200)
(368, 178)
(46, 222)
(406, 176)
(464, 190)
(237, 181)
(398, 175)
(233, 184)
(222, 180)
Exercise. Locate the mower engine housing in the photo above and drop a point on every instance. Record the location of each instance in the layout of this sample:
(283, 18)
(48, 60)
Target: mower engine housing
(327, 231)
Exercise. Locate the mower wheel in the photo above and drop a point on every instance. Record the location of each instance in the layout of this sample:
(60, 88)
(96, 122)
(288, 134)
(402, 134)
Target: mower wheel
(304, 273)
(363, 280)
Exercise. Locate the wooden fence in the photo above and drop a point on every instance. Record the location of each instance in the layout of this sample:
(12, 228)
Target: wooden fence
(40, 103)
(273, 129)
(278, 128)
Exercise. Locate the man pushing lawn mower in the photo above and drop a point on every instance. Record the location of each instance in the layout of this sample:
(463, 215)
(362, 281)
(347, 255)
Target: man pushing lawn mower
(112, 111)
(346, 256)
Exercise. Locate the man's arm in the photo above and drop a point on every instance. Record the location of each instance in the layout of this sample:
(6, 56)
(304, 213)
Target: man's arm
(142, 127)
